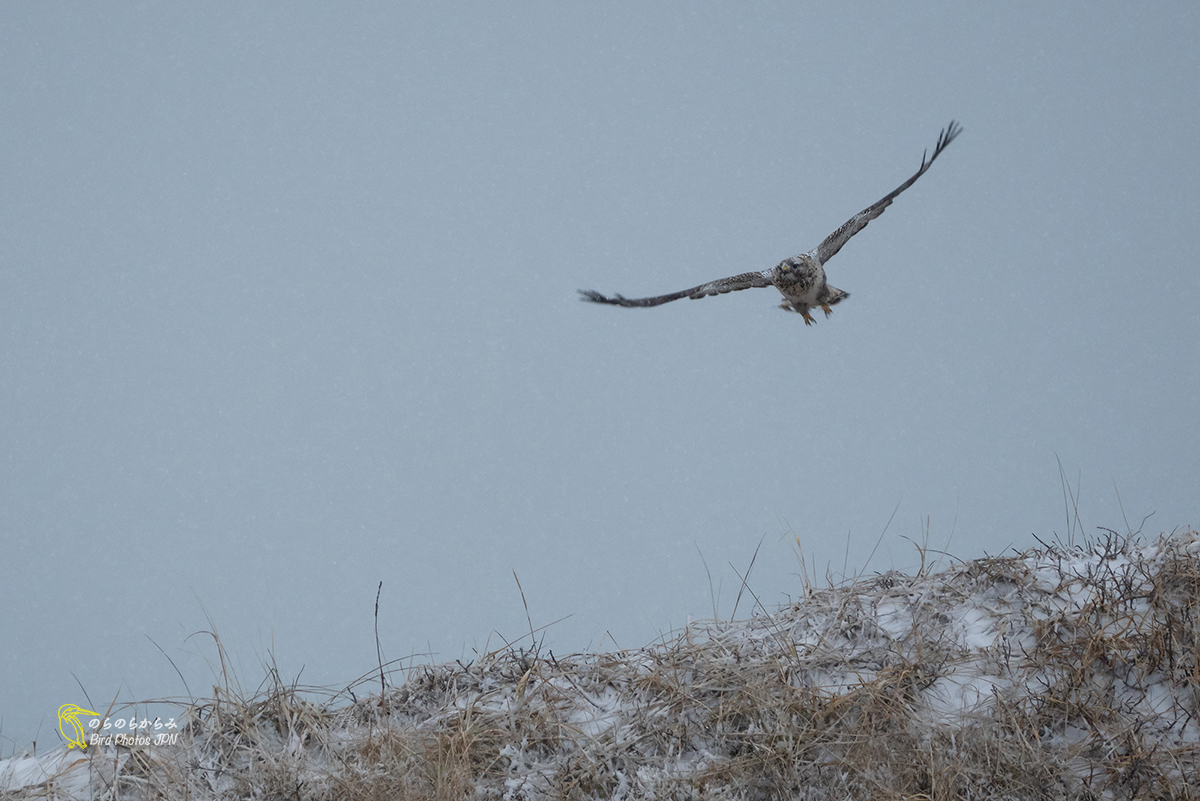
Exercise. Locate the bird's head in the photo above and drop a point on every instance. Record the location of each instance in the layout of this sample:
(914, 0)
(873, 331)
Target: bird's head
(71, 710)
(797, 264)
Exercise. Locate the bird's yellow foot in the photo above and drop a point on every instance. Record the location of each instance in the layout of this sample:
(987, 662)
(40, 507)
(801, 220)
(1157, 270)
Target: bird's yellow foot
(808, 318)
(828, 311)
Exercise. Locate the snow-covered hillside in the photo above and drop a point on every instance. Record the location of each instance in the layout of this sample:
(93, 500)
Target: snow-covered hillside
(1065, 672)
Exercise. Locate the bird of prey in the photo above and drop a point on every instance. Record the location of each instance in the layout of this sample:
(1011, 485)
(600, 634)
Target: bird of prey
(801, 278)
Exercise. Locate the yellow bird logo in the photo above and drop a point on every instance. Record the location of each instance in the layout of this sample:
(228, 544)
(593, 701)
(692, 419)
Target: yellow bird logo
(70, 727)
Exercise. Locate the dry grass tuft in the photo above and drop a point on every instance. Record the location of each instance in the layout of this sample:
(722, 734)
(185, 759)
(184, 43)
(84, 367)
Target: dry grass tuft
(1068, 672)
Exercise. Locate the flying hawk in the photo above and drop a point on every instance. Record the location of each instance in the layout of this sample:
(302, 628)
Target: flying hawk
(800, 279)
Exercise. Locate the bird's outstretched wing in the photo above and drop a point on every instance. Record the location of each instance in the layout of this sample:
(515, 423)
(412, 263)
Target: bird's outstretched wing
(833, 243)
(718, 287)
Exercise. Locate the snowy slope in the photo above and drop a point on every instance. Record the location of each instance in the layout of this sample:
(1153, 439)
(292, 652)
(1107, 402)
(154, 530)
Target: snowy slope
(1062, 672)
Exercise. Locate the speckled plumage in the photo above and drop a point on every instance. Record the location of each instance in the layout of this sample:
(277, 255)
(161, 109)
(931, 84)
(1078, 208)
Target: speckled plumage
(801, 278)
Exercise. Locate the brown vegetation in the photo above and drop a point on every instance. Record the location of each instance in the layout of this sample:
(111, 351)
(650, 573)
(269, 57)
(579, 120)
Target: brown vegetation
(1063, 672)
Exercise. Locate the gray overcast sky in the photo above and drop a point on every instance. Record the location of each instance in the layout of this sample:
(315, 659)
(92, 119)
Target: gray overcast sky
(288, 308)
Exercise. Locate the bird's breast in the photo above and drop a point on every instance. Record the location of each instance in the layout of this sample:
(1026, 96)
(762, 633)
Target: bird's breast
(800, 282)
